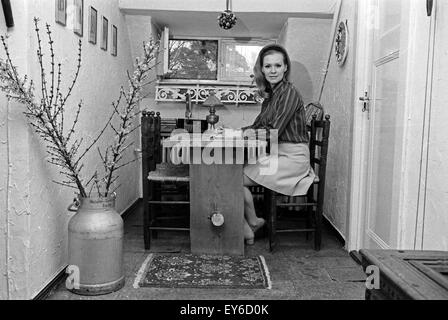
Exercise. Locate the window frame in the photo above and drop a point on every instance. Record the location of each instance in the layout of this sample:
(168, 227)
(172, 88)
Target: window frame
(198, 39)
(222, 62)
(221, 79)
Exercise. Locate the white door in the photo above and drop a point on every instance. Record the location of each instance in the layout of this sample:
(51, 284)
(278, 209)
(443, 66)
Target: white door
(385, 126)
(387, 78)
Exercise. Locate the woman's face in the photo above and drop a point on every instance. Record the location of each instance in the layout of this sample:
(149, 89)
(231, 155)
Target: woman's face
(274, 67)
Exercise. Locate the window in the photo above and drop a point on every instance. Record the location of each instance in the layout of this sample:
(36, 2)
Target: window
(193, 59)
(238, 59)
(205, 59)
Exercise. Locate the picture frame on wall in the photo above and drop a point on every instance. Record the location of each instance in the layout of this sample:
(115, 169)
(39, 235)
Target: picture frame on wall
(114, 49)
(105, 33)
(93, 25)
(61, 12)
(78, 23)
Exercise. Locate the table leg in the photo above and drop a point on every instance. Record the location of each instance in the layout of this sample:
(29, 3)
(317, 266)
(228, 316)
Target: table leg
(220, 186)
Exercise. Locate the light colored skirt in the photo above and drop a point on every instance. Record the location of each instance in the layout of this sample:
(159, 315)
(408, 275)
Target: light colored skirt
(287, 172)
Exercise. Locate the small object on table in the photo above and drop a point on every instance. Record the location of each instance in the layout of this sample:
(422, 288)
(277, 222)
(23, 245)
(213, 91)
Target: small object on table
(212, 102)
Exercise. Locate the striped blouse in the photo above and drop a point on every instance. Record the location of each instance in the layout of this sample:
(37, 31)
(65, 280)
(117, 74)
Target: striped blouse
(284, 111)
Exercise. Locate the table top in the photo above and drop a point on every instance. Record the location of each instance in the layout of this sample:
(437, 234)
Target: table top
(230, 138)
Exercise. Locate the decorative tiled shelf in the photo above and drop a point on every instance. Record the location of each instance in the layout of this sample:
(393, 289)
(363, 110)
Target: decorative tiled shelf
(228, 93)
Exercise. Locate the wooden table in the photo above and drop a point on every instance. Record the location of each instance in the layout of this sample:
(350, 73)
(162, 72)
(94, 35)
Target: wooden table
(216, 188)
(408, 274)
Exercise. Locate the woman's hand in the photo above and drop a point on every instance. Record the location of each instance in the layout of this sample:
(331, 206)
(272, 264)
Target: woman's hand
(249, 134)
(220, 130)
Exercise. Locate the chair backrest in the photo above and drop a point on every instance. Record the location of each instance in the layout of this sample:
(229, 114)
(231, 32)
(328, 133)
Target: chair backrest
(311, 109)
(150, 141)
(319, 136)
(153, 130)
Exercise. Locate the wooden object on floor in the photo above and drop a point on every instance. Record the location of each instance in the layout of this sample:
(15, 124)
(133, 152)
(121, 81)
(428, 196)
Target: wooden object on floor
(160, 177)
(408, 274)
(314, 200)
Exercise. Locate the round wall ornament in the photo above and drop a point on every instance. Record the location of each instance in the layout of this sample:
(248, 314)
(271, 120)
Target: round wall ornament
(341, 42)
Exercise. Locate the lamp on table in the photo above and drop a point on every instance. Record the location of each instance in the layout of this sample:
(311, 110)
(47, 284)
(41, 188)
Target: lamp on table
(212, 102)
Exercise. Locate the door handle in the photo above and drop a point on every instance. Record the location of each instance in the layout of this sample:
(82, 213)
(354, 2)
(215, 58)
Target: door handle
(365, 101)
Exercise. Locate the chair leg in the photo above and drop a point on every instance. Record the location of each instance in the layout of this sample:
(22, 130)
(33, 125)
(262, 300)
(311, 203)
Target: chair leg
(146, 224)
(309, 210)
(272, 218)
(318, 232)
(155, 195)
(308, 222)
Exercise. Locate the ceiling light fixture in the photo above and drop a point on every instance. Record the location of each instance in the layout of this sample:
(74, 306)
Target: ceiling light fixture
(227, 19)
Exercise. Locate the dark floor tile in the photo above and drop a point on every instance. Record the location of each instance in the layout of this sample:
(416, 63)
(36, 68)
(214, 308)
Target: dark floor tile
(331, 290)
(132, 261)
(347, 274)
(333, 262)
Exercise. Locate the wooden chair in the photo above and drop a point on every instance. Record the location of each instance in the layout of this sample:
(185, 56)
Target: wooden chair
(313, 109)
(313, 201)
(165, 185)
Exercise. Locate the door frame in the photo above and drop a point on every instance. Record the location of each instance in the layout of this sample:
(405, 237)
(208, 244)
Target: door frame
(359, 131)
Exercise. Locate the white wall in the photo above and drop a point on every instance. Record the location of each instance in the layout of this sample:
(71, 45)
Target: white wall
(236, 5)
(337, 100)
(3, 185)
(435, 217)
(36, 207)
(306, 41)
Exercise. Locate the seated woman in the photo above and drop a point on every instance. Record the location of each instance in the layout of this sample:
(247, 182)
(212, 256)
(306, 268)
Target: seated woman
(282, 110)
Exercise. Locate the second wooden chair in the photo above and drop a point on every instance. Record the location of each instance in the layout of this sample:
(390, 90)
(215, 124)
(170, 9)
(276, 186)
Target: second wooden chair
(165, 185)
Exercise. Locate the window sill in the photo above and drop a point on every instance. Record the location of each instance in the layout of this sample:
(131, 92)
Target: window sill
(174, 90)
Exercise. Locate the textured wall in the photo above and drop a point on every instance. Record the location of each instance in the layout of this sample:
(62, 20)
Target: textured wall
(36, 207)
(15, 204)
(337, 100)
(435, 232)
(3, 185)
(306, 41)
(3, 193)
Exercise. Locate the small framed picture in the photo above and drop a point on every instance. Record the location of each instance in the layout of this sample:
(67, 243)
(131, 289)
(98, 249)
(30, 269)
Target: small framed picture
(105, 33)
(93, 25)
(114, 49)
(61, 11)
(79, 17)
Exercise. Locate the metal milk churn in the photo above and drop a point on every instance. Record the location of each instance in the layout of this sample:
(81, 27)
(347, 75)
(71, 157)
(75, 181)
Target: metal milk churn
(95, 247)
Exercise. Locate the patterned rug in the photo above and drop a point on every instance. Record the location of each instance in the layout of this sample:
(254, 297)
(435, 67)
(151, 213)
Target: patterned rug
(203, 271)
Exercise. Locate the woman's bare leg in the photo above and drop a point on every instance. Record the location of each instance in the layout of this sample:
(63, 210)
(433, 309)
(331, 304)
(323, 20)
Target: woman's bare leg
(248, 233)
(249, 208)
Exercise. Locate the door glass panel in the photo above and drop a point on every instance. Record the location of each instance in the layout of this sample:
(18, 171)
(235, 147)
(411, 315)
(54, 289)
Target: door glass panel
(385, 149)
(388, 37)
(390, 14)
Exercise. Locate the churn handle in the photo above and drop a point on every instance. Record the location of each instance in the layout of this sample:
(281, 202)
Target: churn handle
(73, 207)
